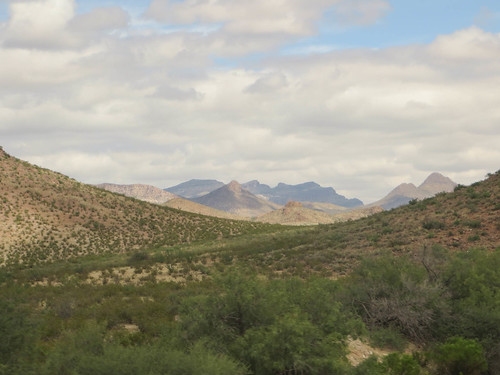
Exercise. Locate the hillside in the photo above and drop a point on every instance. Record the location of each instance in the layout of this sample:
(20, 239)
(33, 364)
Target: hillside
(402, 194)
(296, 213)
(417, 287)
(329, 208)
(143, 192)
(234, 199)
(45, 215)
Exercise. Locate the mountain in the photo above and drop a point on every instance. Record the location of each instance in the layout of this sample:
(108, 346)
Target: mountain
(195, 188)
(197, 208)
(329, 208)
(435, 183)
(234, 199)
(295, 213)
(308, 191)
(45, 216)
(255, 187)
(145, 193)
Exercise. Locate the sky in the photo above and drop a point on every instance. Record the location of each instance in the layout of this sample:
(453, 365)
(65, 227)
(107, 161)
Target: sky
(359, 95)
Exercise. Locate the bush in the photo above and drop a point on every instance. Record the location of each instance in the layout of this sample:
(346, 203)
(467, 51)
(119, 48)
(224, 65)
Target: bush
(432, 224)
(388, 338)
(459, 356)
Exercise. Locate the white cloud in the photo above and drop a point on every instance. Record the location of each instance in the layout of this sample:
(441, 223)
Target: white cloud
(155, 108)
(53, 24)
(39, 23)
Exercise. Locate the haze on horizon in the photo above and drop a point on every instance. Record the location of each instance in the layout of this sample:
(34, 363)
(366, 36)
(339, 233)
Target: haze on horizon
(360, 95)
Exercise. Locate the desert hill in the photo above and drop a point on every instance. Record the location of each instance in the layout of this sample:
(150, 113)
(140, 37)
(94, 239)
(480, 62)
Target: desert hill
(234, 199)
(45, 215)
(296, 213)
(328, 208)
(435, 183)
(143, 192)
(195, 188)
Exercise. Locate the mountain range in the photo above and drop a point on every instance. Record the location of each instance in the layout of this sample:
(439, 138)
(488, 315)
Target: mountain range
(234, 199)
(435, 183)
(258, 201)
(143, 192)
(308, 191)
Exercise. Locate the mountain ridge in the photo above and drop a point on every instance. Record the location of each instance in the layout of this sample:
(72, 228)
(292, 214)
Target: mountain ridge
(147, 193)
(405, 192)
(233, 198)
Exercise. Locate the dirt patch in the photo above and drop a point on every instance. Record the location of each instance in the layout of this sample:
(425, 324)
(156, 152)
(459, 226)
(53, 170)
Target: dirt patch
(359, 351)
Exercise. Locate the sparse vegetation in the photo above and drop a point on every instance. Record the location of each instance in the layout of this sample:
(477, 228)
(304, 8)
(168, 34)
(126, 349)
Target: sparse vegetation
(104, 284)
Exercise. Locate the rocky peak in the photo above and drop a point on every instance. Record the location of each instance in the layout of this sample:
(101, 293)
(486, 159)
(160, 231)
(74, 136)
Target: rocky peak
(437, 183)
(234, 186)
(435, 178)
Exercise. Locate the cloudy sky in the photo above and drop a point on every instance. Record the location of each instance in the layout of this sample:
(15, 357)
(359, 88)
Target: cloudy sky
(360, 95)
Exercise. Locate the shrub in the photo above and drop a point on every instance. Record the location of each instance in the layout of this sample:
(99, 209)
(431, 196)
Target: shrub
(459, 356)
(432, 224)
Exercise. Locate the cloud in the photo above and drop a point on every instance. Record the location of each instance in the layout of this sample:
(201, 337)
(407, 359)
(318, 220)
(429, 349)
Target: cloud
(39, 24)
(100, 19)
(269, 83)
(52, 24)
(154, 107)
(361, 12)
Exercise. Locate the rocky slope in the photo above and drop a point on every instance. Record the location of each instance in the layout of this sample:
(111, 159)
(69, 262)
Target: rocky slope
(145, 193)
(294, 213)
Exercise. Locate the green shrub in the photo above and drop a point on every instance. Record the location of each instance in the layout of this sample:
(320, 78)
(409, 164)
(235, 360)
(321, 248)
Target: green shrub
(459, 356)
(432, 224)
(388, 338)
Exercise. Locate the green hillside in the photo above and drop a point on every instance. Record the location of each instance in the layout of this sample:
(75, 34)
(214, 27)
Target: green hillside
(415, 290)
(47, 216)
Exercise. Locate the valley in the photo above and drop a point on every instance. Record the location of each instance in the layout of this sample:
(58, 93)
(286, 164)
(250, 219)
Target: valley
(95, 282)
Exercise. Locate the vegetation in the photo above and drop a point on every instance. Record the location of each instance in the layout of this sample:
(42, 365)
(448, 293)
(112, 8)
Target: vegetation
(188, 294)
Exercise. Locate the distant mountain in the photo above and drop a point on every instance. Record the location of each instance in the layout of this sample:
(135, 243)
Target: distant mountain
(329, 208)
(195, 188)
(197, 208)
(404, 193)
(308, 191)
(255, 187)
(145, 193)
(294, 213)
(234, 199)
(437, 183)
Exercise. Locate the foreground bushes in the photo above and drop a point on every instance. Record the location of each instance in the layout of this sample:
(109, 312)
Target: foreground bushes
(240, 323)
